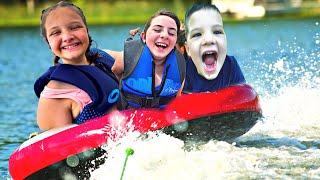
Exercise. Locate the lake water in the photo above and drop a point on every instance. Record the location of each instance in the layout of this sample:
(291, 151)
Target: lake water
(280, 59)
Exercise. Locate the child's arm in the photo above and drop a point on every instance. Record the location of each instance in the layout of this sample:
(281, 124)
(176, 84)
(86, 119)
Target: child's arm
(133, 32)
(180, 90)
(118, 66)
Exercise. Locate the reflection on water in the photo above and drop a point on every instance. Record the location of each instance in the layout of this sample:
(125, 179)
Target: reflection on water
(280, 59)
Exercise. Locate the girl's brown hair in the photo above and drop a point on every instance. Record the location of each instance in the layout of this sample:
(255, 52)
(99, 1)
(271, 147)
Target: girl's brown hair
(90, 56)
(163, 12)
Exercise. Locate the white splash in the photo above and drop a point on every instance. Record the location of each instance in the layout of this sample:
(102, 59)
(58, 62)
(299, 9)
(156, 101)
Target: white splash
(290, 116)
(160, 156)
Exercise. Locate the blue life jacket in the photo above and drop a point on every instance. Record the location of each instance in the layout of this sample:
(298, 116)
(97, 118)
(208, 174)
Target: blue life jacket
(230, 74)
(98, 81)
(137, 83)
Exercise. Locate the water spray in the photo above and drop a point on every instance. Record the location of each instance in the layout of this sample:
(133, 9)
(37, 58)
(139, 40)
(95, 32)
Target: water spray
(129, 152)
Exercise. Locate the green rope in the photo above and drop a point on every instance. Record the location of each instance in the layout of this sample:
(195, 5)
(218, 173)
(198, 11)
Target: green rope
(129, 152)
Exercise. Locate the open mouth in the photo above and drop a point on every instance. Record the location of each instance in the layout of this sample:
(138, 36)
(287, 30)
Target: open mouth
(161, 45)
(209, 59)
(70, 46)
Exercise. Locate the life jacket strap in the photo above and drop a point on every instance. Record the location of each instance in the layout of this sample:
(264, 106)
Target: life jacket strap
(107, 71)
(148, 102)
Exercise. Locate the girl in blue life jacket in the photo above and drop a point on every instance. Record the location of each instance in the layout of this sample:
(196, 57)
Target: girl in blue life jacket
(151, 70)
(210, 68)
(83, 86)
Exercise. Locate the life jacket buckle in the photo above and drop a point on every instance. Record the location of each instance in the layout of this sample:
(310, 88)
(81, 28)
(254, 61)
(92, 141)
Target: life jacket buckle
(150, 102)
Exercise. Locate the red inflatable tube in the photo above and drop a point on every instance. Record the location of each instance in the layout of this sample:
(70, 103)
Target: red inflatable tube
(56, 145)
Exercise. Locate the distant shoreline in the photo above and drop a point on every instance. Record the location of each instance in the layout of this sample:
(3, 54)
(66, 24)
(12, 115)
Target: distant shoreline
(93, 22)
(97, 22)
(124, 14)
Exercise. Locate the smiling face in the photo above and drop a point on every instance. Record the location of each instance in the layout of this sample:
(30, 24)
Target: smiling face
(206, 42)
(67, 35)
(161, 37)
